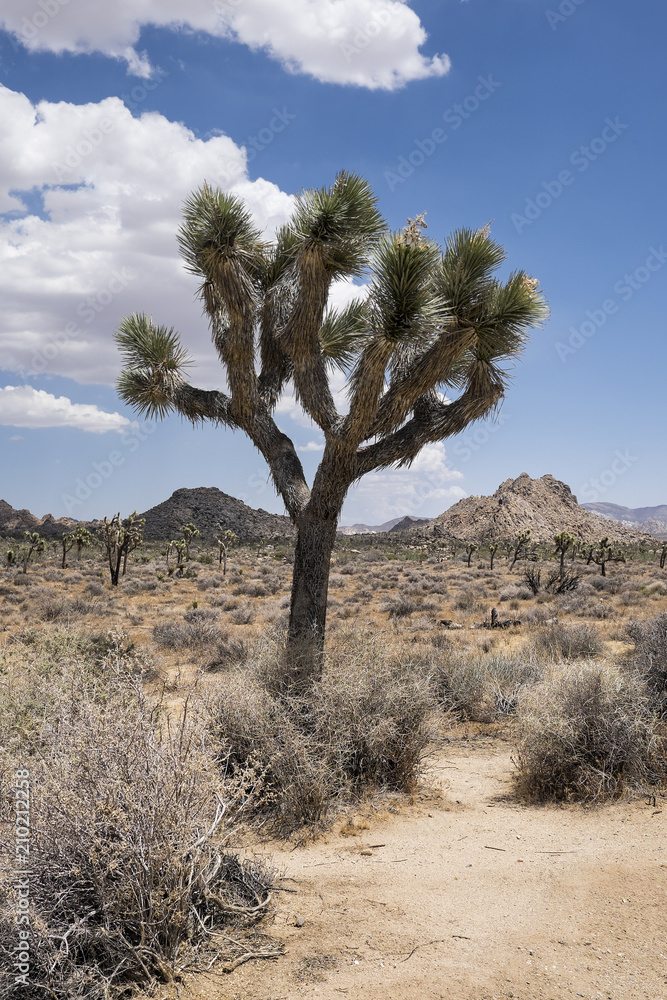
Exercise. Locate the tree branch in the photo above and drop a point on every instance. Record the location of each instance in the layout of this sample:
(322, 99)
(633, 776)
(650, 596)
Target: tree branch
(426, 372)
(277, 449)
(433, 421)
(300, 340)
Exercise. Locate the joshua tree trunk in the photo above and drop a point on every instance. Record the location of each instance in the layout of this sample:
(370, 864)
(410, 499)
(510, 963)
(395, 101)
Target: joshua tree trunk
(310, 587)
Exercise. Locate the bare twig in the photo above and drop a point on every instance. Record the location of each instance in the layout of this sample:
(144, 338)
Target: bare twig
(250, 956)
(424, 945)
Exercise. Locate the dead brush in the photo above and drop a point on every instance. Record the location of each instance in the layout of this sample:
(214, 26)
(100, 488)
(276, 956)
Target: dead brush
(586, 734)
(649, 659)
(133, 881)
(366, 724)
(569, 642)
(483, 688)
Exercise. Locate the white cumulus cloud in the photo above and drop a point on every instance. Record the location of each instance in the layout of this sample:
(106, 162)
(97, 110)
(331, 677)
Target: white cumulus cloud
(369, 43)
(24, 406)
(423, 490)
(312, 446)
(105, 244)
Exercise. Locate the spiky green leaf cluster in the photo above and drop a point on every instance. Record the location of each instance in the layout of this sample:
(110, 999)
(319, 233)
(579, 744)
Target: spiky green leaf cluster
(500, 313)
(155, 363)
(404, 305)
(217, 228)
(341, 223)
(342, 333)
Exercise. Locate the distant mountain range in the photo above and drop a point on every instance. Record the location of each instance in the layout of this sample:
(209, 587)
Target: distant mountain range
(650, 519)
(546, 506)
(205, 506)
(396, 524)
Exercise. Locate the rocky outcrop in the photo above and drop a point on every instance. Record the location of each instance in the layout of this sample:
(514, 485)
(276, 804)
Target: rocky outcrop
(206, 507)
(15, 522)
(545, 506)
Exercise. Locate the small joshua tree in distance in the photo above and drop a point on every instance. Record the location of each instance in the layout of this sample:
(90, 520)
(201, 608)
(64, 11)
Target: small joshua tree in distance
(67, 542)
(120, 537)
(224, 538)
(83, 538)
(564, 543)
(520, 546)
(604, 552)
(189, 531)
(32, 543)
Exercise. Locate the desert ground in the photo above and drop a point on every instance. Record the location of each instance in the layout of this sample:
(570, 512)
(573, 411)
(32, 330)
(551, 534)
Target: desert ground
(459, 885)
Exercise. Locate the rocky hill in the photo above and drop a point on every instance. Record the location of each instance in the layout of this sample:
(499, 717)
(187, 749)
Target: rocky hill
(206, 507)
(546, 506)
(650, 519)
(15, 522)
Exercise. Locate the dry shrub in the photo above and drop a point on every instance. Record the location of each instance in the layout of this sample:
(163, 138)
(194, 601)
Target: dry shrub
(244, 614)
(649, 658)
(49, 605)
(129, 823)
(373, 711)
(138, 586)
(403, 607)
(568, 642)
(515, 592)
(198, 633)
(483, 688)
(586, 734)
(365, 724)
(227, 653)
(250, 589)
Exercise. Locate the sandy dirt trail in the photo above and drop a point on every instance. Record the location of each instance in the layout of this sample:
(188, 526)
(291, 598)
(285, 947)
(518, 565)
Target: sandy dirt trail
(470, 896)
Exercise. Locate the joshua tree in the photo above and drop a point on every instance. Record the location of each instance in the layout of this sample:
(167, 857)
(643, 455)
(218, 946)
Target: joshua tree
(82, 539)
(470, 548)
(455, 546)
(520, 546)
(121, 537)
(564, 543)
(224, 538)
(179, 546)
(663, 555)
(493, 548)
(434, 321)
(603, 553)
(67, 543)
(189, 531)
(32, 543)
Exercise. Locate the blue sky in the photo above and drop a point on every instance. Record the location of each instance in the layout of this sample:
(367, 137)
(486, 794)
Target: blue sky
(546, 117)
